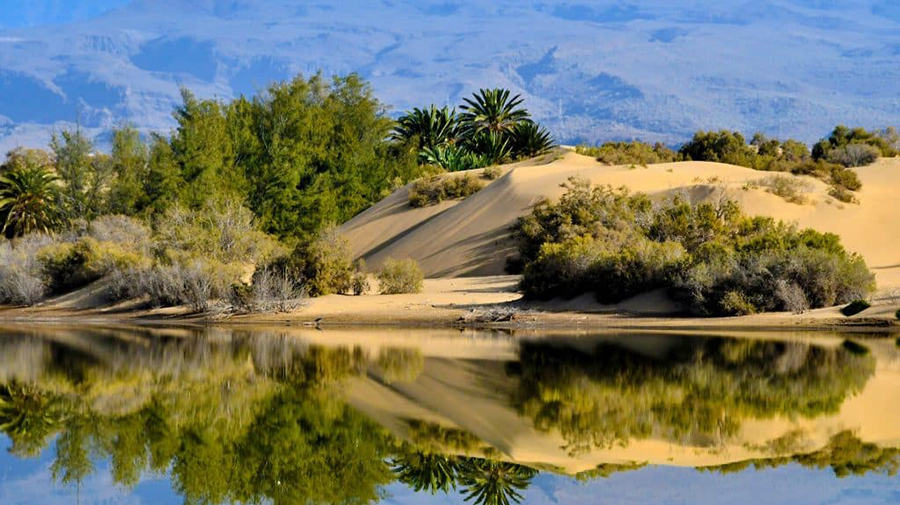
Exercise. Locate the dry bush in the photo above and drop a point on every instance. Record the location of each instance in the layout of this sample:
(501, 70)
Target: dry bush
(21, 281)
(791, 296)
(272, 290)
(491, 173)
(436, 189)
(400, 276)
(854, 155)
(194, 283)
(791, 189)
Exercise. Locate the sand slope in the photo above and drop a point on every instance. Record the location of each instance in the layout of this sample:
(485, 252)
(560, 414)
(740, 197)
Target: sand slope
(471, 237)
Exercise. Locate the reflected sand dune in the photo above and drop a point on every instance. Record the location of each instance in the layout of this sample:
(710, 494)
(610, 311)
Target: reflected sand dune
(437, 408)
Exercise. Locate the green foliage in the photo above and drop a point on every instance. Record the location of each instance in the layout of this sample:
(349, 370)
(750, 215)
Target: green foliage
(855, 307)
(400, 276)
(324, 265)
(434, 190)
(452, 158)
(702, 388)
(492, 111)
(68, 266)
(84, 174)
(854, 147)
(130, 159)
(845, 454)
(431, 127)
(530, 139)
(29, 200)
(493, 128)
(709, 256)
(630, 153)
(400, 364)
(770, 155)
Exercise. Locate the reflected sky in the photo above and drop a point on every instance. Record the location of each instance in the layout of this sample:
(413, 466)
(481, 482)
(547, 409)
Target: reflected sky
(112, 415)
(30, 482)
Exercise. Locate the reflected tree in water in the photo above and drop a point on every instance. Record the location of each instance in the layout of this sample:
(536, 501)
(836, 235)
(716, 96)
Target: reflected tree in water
(699, 392)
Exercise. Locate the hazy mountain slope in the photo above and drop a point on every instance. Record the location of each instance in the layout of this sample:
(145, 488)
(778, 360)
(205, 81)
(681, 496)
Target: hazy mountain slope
(591, 71)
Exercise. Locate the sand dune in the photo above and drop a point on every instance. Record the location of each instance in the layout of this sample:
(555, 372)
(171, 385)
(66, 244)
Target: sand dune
(471, 237)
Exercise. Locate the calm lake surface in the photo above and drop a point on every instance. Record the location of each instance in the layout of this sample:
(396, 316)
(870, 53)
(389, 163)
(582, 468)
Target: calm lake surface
(302, 416)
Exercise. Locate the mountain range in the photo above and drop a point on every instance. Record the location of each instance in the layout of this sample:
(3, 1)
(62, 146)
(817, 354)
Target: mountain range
(656, 70)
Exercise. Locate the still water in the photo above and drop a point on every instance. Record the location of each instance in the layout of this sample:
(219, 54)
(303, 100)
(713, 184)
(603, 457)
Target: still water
(285, 416)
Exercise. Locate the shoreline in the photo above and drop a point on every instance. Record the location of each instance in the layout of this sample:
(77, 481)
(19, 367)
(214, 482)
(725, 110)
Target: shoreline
(490, 303)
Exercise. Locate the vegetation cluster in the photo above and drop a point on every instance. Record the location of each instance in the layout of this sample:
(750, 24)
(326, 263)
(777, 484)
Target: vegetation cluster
(828, 160)
(709, 256)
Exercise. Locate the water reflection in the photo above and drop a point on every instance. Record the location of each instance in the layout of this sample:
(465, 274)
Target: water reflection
(319, 417)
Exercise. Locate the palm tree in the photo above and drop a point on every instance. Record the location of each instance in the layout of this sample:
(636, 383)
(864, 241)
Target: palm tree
(433, 127)
(530, 139)
(27, 201)
(493, 147)
(491, 482)
(28, 417)
(492, 110)
(426, 472)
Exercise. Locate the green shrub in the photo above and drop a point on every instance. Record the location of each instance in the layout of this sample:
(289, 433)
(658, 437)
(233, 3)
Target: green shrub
(400, 364)
(324, 265)
(630, 153)
(491, 173)
(68, 266)
(436, 189)
(897, 314)
(855, 348)
(709, 256)
(855, 307)
(400, 276)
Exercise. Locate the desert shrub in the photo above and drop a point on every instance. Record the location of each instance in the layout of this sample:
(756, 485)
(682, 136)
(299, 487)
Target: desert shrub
(126, 231)
(400, 276)
(722, 146)
(841, 194)
(630, 153)
(21, 280)
(709, 256)
(791, 189)
(70, 265)
(436, 189)
(791, 296)
(323, 265)
(491, 173)
(854, 155)
(855, 307)
(271, 290)
(360, 283)
(220, 231)
(194, 283)
(837, 145)
(846, 179)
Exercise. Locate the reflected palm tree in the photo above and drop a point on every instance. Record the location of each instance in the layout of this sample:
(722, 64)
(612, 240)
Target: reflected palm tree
(29, 417)
(426, 471)
(491, 482)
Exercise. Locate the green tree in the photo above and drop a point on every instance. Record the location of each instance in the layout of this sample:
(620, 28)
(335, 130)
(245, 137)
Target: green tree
(164, 181)
(84, 173)
(129, 161)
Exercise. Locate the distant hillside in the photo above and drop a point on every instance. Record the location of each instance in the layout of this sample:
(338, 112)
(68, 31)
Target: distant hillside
(590, 71)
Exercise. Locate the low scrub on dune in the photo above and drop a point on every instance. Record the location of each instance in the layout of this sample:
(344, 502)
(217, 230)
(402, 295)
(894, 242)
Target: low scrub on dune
(709, 256)
(630, 153)
(400, 277)
(436, 189)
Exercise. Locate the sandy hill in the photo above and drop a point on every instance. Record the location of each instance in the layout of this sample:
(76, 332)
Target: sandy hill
(471, 237)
